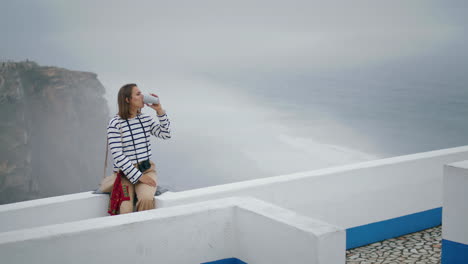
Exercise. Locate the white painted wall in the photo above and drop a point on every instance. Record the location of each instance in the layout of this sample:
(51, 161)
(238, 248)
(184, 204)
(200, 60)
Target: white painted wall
(455, 212)
(53, 210)
(346, 196)
(270, 234)
(188, 235)
(192, 233)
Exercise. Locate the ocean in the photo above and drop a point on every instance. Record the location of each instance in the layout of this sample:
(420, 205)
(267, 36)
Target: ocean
(252, 125)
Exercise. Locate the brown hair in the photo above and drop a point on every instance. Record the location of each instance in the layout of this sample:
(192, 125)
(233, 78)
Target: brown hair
(124, 93)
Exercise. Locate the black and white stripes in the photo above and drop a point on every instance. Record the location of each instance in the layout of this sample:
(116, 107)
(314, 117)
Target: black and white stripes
(121, 144)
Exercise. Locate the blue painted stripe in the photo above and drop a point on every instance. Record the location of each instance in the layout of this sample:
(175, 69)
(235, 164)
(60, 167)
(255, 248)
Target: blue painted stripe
(226, 261)
(454, 252)
(395, 227)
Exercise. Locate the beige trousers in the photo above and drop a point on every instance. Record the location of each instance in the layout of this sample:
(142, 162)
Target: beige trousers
(144, 193)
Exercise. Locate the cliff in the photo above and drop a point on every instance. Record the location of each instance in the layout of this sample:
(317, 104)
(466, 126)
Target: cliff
(52, 131)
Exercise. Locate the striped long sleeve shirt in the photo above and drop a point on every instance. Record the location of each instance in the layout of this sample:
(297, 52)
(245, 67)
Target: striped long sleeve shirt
(126, 151)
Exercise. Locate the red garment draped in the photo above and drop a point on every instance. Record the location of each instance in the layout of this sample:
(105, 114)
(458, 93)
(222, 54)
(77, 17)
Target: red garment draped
(118, 195)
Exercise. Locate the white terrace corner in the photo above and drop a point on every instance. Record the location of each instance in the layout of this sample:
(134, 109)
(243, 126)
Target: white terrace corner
(307, 217)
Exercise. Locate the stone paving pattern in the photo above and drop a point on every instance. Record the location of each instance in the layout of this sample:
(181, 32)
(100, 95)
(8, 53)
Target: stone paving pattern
(420, 247)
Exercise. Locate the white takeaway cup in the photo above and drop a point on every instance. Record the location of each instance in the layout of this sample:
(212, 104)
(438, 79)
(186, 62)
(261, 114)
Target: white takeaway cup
(149, 99)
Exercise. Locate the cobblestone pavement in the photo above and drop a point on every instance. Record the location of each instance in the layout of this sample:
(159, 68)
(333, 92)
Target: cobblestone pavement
(420, 247)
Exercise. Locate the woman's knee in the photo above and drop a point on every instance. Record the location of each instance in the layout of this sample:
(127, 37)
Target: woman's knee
(145, 196)
(126, 207)
(148, 204)
(145, 192)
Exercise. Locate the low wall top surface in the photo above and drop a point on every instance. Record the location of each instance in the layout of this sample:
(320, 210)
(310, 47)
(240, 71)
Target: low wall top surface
(460, 165)
(388, 188)
(52, 210)
(242, 185)
(455, 213)
(45, 201)
(346, 195)
(193, 233)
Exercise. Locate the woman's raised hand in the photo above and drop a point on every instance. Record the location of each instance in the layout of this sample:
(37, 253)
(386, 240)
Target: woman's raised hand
(157, 107)
(146, 179)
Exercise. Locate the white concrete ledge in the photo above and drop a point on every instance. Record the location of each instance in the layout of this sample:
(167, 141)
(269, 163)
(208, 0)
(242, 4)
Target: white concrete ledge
(377, 190)
(195, 233)
(296, 239)
(455, 210)
(455, 214)
(52, 210)
(346, 196)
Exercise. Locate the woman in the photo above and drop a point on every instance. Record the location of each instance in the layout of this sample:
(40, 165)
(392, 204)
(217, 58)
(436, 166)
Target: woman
(129, 142)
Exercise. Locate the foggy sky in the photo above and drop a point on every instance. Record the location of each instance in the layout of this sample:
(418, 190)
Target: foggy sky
(202, 58)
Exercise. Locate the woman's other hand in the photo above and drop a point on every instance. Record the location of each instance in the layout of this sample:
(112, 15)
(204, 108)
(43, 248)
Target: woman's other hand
(157, 107)
(146, 179)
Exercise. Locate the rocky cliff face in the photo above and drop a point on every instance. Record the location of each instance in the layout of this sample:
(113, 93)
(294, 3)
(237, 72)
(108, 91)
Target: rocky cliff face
(52, 131)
